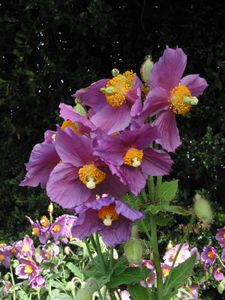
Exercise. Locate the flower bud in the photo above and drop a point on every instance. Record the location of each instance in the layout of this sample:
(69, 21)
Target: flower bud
(67, 250)
(202, 209)
(134, 232)
(79, 108)
(70, 286)
(221, 287)
(50, 208)
(84, 294)
(115, 72)
(146, 69)
(133, 250)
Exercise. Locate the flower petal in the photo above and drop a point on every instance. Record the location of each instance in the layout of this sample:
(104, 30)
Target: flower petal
(195, 84)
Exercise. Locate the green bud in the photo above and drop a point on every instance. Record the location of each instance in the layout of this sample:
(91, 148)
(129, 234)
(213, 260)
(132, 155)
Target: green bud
(115, 72)
(221, 287)
(134, 232)
(146, 68)
(202, 209)
(108, 90)
(83, 294)
(80, 109)
(133, 250)
(191, 100)
(70, 286)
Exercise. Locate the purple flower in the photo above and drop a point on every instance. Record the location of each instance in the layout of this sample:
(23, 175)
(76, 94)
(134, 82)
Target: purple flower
(5, 255)
(37, 282)
(190, 292)
(223, 255)
(217, 274)
(165, 270)
(62, 227)
(42, 160)
(110, 217)
(47, 252)
(183, 255)
(28, 269)
(151, 277)
(80, 175)
(129, 156)
(113, 102)
(208, 255)
(220, 236)
(25, 248)
(124, 295)
(170, 94)
(42, 232)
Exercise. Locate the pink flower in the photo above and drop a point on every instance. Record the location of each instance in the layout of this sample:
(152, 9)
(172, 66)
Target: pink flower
(183, 255)
(37, 282)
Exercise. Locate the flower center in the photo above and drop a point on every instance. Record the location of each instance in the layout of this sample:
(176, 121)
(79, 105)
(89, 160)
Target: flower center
(224, 235)
(211, 255)
(108, 214)
(2, 257)
(181, 100)
(28, 269)
(44, 221)
(13, 251)
(70, 124)
(166, 272)
(25, 248)
(133, 157)
(116, 88)
(90, 176)
(56, 228)
(35, 231)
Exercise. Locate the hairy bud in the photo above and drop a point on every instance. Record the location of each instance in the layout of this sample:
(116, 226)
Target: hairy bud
(146, 69)
(202, 209)
(133, 250)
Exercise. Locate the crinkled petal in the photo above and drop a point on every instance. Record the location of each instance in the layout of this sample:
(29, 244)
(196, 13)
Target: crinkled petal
(127, 212)
(195, 84)
(112, 119)
(65, 188)
(167, 126)
(168, 71)
(156, 163)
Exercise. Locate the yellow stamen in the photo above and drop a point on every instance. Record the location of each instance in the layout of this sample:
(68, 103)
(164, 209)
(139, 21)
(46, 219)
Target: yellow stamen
(35, 231)
(211, 255)
(13, 251)
(224, 235)
(108, 214)
(166, 272)
(25, 248)
(90, 176)
(133, 157)
(44, 221)
(48, 254)
(116, 88)
(56, 228)
(179, 100)
(2, 257)
(28, 269)
(70, 124)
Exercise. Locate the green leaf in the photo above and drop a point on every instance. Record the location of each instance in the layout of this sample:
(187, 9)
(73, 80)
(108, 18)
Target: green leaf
(178, 276)
(129, 276)
(154, 208)
(74, 269)
(61, 297)
(177, 210)
(168, 190)
(162, 220)
(140, 293)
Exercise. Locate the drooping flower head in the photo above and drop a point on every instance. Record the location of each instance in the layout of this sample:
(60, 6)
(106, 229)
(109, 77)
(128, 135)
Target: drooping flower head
(110, 217)
(80, 175)
(171, 95)
(113, 101)
(209, 255)
(130, 157)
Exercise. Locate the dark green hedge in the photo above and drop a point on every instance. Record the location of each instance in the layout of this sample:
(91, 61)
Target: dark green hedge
(50, 48)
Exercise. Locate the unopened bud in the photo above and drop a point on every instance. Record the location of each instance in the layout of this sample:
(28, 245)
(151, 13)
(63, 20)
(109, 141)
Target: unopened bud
(84, 294)
(133, 250)
(202, 209)
(70, 286)
(79, 108)
(146, 68)
(134, 232)
(115, 72)
(67, 250)
(50, 208)
(190, 100)
(221, 287)
(170, 245)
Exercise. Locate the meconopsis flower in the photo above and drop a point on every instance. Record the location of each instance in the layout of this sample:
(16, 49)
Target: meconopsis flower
(130, 157)
(42, 232)
(24, 248)
(80, 175)
(110, 217)
(27, 269)
(37, 282)
(171, 95)
(113, 102)
(209, 255)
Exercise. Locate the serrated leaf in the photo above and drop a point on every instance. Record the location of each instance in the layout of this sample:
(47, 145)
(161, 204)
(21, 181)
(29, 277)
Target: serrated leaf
(178, 276)
(75, 270)
(168, 190)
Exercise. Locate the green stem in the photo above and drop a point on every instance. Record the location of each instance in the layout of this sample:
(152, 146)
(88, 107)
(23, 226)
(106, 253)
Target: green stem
(151, 188)
(99, 251)
(13, 282)
(156, 257)
(89, 251)
(111, 259)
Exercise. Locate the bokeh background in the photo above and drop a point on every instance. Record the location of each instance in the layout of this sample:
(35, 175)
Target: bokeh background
(50, 48)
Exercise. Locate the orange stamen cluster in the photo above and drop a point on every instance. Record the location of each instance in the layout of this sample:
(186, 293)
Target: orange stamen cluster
(133, 157)
(211, 255)
(44, 221)
(2, 257)
(70, 124)
(35, 231)
(178, 94)
(28, 269)
(25, 248)
(116, 88)
(91, 175)
(56, 228)
(108, 214)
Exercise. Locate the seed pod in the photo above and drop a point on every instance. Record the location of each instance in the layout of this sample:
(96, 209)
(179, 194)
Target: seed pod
(133, 250)
(202, 209)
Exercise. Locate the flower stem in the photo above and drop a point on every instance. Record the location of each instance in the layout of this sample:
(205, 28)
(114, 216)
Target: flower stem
(99, 251)
(13, 282)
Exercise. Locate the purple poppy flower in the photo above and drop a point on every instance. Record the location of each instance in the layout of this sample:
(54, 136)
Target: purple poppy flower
(42, 160)
(190, 292)
(80, 175)
(130, 158)
(5, 255)
(41, 232)
(217, 274)
(170, 94)
(209, 255)
(28, 269)
(220, 236)
(110, 217)
(47, 252)
(113, 102)
(81, 123)
(61, 227)
(25, 248)
(183, 255)
(37, 282)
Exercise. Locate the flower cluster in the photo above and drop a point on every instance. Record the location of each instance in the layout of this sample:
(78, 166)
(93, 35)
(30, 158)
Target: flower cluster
(105, 146)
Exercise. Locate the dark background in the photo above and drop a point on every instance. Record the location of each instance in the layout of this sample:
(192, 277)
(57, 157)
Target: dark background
(50, 48)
